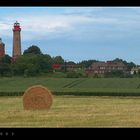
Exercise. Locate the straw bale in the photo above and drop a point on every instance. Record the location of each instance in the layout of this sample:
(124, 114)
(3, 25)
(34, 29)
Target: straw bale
(37, 97)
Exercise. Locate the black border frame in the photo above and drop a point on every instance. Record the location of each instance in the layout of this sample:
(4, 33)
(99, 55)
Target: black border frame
(69, 3)
(61, 133)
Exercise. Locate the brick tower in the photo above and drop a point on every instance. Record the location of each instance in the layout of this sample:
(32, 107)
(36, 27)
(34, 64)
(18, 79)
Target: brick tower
(2, 48)
(16, 40)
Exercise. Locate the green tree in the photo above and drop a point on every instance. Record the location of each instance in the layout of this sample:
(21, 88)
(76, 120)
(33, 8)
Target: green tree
(32, 64)
(45, 63)
(58, 60)
(5, 69)
(32, 50)
(6, 59)
(86, 63)
(32, 70)
(129, 65)
(70, 63)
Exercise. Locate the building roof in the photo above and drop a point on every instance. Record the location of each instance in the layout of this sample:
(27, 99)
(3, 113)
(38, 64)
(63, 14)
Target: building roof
(96, 65)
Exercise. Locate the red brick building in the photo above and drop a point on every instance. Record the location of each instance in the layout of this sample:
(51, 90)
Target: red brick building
(2, 48)
(103, 67)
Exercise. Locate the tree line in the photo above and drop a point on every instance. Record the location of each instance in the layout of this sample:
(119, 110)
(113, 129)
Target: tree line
(33, 62)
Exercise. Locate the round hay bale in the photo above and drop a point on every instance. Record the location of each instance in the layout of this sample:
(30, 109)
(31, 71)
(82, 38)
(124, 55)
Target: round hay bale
(37, 97)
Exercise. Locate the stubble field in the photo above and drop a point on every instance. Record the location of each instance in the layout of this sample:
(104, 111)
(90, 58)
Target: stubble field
(71, 111)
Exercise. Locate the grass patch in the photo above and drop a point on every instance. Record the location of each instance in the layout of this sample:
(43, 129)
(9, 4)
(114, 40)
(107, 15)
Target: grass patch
(16, 86)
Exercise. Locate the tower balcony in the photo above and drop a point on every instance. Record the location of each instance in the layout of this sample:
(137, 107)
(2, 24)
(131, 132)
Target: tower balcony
(16, 28)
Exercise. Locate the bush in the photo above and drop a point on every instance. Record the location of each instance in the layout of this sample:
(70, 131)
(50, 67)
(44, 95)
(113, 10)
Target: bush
(95, 75)
(77, 93)
(127, 76)
(31, 71)
(4, 69)
(115, 73)
(73, 74)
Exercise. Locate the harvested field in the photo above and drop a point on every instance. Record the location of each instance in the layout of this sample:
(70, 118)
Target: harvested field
(71, 111)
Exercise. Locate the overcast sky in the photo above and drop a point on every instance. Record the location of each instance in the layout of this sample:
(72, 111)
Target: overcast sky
(101, 33)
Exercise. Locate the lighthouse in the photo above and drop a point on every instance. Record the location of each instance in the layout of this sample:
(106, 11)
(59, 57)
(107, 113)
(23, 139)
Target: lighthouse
(16, 40)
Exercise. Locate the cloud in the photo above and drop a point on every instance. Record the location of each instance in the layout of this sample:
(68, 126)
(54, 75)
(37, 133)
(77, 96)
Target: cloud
(53, 25)
(81, 24)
